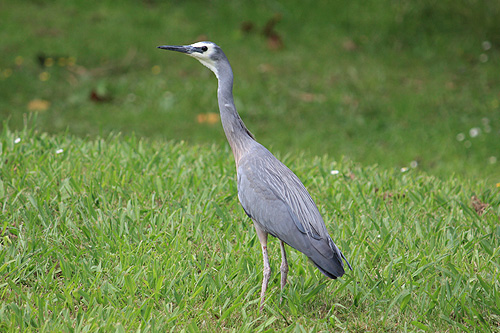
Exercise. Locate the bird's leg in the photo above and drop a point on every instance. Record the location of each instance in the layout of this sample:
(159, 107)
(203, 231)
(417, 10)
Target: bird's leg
(283, 268)
(267, 275)
(267, 269)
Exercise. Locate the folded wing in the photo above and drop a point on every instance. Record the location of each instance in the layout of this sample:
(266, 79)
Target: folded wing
(274, 197)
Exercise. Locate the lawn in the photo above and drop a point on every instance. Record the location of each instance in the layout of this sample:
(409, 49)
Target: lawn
(395, 84)
(128, 234)
(119, 207)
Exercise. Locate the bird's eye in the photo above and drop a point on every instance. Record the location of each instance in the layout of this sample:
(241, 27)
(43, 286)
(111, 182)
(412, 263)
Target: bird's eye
(204, 48)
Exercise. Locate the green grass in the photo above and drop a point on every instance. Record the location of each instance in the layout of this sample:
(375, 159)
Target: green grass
(385, 82)
(127, 234)
(143, 230)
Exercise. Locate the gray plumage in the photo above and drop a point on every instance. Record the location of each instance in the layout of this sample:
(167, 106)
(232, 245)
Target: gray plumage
(270, 193)
(276, 200)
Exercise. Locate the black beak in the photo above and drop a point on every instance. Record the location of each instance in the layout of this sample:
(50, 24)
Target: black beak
(179, 48)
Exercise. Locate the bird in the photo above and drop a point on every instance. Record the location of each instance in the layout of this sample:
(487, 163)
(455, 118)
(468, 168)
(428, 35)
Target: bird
(270, 193)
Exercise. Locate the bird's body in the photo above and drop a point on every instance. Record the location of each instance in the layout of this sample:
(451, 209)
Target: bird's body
(270, 193)
(280, 205)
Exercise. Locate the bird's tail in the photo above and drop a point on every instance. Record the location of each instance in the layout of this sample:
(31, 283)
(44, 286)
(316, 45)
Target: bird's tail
(332, 267)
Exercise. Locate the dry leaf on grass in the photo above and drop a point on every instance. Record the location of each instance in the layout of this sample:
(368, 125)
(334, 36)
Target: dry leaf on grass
(479, 207)
(38, 105)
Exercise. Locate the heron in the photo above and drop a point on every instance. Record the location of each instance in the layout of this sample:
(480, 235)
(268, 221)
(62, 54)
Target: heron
(269, 192)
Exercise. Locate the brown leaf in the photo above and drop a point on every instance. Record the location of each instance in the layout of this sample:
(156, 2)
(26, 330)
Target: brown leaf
(479, 207)
(201, 118)
(268, 29)
(208, 118)
(38, 105)
(212, 118)
(247, 27)
(98, 98)
(274, 42)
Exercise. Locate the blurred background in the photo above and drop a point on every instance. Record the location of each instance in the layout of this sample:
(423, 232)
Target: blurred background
(412, 85)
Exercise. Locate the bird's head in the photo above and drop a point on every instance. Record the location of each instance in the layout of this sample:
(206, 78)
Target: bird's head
(208, 53)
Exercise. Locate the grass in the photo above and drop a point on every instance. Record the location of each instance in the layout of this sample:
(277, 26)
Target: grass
(142, 231)
(125, 234)
(392, 83)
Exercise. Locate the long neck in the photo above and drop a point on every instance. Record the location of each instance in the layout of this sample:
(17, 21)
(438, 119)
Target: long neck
(239, 137)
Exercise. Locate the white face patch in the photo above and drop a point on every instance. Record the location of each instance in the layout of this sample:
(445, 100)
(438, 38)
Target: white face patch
(206, 57)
